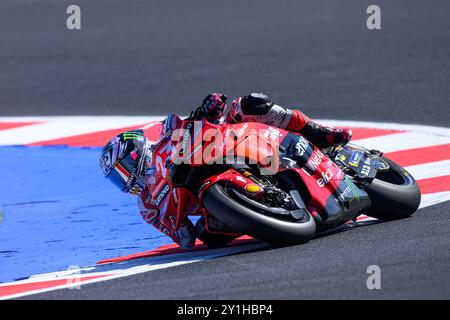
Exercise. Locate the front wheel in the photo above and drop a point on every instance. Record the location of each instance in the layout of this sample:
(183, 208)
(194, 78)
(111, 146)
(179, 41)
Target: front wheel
(394, 193)
(220, 203)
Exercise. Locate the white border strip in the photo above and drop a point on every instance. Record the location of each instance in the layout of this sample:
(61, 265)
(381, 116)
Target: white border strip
(134, 267)
(430, 170)
(66, 127)
(56, 127)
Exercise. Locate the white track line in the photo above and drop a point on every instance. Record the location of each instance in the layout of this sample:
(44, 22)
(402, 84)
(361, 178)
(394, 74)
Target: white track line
(403, 141)
(65, 126)
(125, 269)
(434, 198)
(62, 127)
(442, 131)
(430, 170)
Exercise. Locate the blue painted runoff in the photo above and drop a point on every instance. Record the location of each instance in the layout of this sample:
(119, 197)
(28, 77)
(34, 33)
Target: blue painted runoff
(57, 211)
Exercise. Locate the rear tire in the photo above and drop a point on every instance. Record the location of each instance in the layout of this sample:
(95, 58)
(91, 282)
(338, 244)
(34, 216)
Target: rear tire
(392, 198)
(237, 216)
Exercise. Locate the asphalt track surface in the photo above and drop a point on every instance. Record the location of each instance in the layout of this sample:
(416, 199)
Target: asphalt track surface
(149, 57)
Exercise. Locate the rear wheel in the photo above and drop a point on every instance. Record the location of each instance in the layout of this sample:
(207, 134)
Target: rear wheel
(257, 220)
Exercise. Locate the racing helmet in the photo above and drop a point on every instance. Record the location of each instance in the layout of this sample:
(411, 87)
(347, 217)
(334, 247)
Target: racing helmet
(123, 159)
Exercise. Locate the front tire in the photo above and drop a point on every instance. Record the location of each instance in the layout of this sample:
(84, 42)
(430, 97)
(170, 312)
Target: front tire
(221, 205)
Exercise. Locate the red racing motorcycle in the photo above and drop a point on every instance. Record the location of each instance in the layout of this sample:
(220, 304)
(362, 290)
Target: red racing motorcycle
(273, 184)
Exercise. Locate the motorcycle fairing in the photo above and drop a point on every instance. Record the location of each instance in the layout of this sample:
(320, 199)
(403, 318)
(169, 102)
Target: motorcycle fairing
(255, 143)
(333, 198)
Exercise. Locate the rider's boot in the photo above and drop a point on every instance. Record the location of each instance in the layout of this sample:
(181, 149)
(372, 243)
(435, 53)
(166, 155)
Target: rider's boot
(323, 136)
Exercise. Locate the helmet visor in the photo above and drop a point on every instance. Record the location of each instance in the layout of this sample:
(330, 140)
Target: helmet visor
(119, 177)
(124, 174)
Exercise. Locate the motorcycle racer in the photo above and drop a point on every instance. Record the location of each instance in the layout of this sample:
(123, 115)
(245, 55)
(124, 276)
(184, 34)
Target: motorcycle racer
(127, 159)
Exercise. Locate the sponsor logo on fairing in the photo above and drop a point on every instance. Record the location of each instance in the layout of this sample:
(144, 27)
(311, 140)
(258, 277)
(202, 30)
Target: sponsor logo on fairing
(326, 177)
(343, 196)
(272, 133)
(365, 170)
(340, 157)
(301, 146)
(149, 215)
(355, 159)
(162, 194)
(241, 131)
(315, 160)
